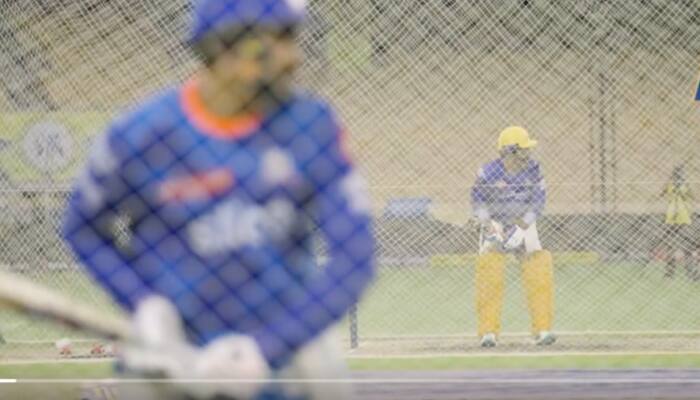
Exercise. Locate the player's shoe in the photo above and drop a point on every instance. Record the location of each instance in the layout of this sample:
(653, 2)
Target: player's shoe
(488, 340)
(545, 338)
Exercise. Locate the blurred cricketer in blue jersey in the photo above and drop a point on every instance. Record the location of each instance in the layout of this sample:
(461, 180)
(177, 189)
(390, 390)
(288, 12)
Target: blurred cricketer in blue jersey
(507, 198)
(222, 183)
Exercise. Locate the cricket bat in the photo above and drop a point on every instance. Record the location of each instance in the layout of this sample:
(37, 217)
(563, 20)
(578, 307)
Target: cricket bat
(27, 297)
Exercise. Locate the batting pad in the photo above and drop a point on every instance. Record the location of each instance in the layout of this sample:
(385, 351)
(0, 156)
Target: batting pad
(537, 272)
(489, 291)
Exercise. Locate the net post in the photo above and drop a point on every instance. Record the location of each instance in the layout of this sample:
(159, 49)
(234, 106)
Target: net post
(354, 336)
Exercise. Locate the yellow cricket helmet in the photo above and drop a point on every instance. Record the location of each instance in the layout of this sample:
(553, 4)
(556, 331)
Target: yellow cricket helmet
(515, 136)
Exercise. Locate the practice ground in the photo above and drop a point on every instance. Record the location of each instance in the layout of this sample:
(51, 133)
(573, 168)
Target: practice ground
(593, 301)
(625, 331)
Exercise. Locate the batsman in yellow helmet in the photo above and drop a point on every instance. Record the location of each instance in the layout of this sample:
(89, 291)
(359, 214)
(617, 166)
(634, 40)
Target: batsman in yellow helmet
(507, 198)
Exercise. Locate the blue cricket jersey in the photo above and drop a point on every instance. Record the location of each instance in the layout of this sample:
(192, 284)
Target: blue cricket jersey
(221, 215)
(507, 197)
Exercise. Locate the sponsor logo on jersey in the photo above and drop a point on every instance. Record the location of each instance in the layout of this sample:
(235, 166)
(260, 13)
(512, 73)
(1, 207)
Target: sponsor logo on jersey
(235, 224)
(201, 186)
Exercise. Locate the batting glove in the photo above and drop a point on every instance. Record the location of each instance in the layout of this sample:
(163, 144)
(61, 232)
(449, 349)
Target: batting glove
(492, 235)
(514, 239)
(231, 365)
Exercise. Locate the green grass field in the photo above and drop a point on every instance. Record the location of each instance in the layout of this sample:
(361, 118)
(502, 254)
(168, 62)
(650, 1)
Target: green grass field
(427, 304)
(599, 297)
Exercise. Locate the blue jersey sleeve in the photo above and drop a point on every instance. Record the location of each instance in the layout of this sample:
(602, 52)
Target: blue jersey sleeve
(482, 192)
(340, 208)
(538, 194)
(89, 223)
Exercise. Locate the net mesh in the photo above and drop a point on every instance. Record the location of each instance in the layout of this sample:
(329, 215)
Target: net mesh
(424, 88)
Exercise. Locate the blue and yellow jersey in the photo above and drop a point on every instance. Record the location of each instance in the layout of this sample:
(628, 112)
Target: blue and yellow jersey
(507, 197)
(221, 216)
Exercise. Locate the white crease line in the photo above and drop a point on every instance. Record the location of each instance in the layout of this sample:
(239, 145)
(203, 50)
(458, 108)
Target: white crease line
(524, 381)
(534, 354)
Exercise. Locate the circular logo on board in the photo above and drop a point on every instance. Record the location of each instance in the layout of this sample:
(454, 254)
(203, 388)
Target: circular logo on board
(48, 146)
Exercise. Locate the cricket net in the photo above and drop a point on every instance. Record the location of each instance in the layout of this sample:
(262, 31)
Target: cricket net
(424, 88)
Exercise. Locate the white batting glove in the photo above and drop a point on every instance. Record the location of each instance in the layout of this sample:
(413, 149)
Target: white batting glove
(230, 366)
(160, 347)
(492, 235)
(314, 366)
(514, 239)
(156, 322)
